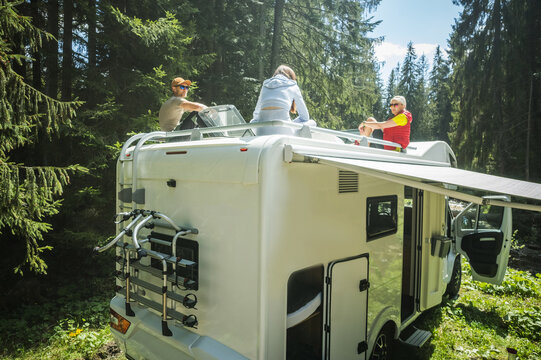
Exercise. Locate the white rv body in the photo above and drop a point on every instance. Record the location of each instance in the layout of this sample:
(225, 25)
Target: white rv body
(267, 214)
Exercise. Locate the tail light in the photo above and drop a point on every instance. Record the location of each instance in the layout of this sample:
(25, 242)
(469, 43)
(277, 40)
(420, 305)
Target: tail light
(118, 322)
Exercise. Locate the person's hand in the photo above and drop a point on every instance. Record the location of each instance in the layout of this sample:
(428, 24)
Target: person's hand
(363, 130)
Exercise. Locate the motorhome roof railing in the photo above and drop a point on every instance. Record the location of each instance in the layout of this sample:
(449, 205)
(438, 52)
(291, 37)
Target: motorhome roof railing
(305, 131)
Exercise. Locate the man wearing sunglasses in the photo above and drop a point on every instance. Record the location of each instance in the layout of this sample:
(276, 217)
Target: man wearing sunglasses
(396, 128)
(172, 110)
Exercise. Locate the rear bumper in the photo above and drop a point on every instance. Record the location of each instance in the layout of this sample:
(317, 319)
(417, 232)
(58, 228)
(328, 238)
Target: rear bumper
(144, 339)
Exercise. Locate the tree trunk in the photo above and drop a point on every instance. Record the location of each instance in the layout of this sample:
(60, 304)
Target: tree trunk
(36, 64)
(91, 49)
(67, 50)
(262, 35)
(277, 35)
(498, 120)
(91, 34)
(52, 49)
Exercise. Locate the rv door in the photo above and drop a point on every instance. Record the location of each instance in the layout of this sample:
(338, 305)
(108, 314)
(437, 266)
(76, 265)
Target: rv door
(483, 235)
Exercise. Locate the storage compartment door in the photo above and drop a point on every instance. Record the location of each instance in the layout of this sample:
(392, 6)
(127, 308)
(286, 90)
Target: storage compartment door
(483, 235)
(347, 295)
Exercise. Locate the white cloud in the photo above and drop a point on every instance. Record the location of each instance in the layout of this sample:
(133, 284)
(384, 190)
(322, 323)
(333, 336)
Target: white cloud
(386, 51)
(390, 54)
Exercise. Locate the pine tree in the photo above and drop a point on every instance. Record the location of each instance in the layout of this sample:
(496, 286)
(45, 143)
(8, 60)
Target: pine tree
(494, 55)
(439, 97)
(410, 86)
(28, 193)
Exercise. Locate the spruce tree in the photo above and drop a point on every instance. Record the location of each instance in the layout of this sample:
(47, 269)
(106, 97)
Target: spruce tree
(28, 192)
(439, 97)
(409, 87)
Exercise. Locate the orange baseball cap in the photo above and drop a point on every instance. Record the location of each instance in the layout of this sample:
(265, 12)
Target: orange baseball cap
(180, 81)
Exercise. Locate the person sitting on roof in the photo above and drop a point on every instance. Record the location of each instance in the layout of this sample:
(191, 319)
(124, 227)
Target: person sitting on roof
(397, 128)
(279, 96)
(172, 110)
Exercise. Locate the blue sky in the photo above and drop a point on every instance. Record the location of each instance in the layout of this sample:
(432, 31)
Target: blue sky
(426, 23)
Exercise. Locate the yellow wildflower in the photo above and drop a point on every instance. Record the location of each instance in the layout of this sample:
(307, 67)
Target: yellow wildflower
(77, 332)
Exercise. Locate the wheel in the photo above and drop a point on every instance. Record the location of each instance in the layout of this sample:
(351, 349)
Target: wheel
(382, 346)
(456, 279)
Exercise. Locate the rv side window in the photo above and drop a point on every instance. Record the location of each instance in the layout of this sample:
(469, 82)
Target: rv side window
(381, 216)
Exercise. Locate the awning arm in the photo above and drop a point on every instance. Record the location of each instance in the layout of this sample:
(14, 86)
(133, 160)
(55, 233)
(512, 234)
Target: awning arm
(428, 187)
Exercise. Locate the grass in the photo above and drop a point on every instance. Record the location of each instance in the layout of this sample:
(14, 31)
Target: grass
(480, 324)
(484, 320)
(72, 326)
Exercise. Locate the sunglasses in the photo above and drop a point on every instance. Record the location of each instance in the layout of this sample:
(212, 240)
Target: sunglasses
(394, 104)
(183, 87)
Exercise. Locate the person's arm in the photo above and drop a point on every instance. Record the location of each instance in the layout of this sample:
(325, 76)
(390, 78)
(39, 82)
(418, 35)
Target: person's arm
(192, 106)
(398, 120)
(258, 106)
(380, 125)
(301, 106)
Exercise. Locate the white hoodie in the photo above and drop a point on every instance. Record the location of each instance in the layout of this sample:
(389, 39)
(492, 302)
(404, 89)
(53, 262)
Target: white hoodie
(280, 91)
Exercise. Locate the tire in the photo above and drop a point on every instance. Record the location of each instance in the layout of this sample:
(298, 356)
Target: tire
(383, 345)
(456, 279)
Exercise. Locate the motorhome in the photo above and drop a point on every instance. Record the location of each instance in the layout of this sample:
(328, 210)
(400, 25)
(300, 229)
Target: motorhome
(306, 243)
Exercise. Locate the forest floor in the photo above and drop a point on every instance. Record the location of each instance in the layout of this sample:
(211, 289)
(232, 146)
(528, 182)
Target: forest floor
(527, 258)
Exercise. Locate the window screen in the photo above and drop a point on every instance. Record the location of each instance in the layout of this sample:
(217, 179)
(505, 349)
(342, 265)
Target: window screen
(381, 216)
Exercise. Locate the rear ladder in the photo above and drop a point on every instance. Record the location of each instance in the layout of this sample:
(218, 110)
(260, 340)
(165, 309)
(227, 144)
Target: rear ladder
(179, 273)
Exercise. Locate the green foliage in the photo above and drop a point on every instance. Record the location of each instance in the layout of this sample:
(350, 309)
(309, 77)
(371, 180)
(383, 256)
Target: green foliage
(483, 322)
(495, 62)
(27, 193)
(412, 85)
(525, 323)
(327, 44)
(517, 283)
(71, 325)
(439, 97)
(79, 339)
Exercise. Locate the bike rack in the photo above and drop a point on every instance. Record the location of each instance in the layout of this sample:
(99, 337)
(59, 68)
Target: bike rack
(141, 220)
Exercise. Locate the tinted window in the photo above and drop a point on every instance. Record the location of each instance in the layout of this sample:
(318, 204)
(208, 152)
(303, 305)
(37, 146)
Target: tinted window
(381, 216)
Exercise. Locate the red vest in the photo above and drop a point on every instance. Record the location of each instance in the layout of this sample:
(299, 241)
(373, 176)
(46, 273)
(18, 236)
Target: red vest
(398, 134)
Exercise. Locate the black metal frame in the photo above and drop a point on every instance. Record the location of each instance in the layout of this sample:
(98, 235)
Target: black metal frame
(394, 203)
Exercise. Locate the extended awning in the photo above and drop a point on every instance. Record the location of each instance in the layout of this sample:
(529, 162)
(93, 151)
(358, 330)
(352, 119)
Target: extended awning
(435, 179)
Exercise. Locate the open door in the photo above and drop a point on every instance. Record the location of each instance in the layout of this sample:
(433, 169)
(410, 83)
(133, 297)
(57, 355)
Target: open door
(483, 235)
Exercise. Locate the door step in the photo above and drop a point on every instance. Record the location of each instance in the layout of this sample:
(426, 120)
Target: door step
(414, 337)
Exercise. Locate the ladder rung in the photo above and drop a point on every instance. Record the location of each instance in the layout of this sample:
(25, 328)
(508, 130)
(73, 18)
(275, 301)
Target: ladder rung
(158, 255)
(156, 306)
(161, 242)
(189, 284)
(158, 290)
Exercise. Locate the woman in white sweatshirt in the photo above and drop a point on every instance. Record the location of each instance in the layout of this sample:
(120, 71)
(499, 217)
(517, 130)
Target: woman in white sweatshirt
(279, 96)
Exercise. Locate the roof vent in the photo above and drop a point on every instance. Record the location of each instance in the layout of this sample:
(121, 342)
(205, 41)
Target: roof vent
(348, 181)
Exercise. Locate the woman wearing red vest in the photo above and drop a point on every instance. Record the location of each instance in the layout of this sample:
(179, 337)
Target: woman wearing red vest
(396, 128)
